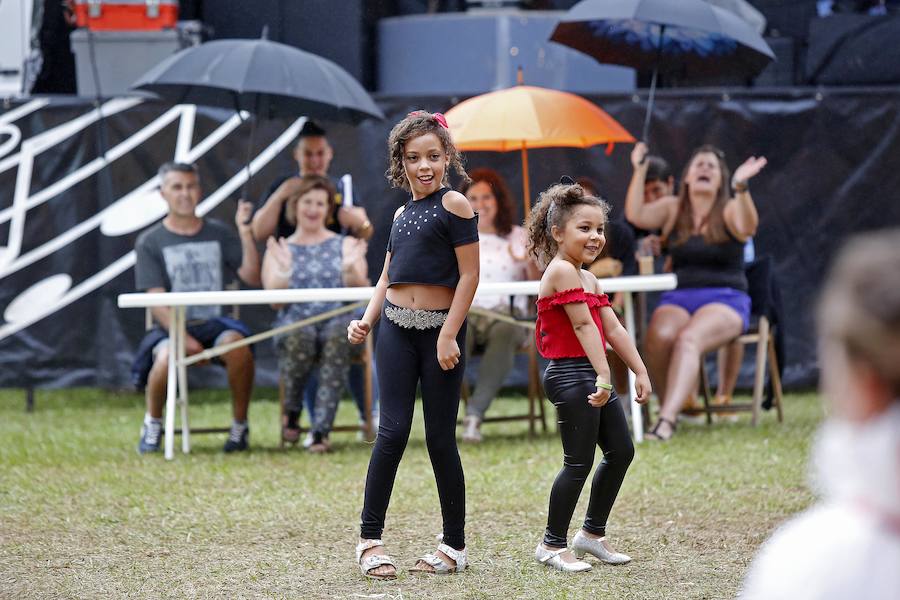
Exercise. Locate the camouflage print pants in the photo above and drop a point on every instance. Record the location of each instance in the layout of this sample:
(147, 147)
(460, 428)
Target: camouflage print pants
(322, 345)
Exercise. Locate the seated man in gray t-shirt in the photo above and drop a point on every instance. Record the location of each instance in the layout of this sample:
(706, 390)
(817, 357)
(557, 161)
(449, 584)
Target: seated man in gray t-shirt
(186, 253)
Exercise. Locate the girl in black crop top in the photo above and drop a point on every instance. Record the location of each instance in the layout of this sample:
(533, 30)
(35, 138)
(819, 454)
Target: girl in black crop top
(705, 227)
(424, 292)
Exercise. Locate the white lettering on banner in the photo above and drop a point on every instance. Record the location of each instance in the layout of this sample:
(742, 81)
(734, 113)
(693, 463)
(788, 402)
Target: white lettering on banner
(14, 136)
(10, 259)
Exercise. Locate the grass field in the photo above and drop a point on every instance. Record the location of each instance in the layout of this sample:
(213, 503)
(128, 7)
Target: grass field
(83, 516)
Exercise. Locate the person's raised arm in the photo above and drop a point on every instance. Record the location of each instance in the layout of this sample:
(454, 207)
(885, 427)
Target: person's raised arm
(649, 216)
(265, 221)
(249, 269)
(354, 268)
(356, 220)
(277, 266)
(740, 214)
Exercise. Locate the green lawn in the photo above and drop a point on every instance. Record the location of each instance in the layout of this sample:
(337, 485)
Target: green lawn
(83, 516)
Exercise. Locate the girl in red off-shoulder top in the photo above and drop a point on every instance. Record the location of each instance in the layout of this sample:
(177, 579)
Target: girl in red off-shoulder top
(575, 321)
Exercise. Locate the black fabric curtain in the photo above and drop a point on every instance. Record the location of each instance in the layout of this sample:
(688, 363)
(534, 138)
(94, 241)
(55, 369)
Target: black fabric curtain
(831, 173)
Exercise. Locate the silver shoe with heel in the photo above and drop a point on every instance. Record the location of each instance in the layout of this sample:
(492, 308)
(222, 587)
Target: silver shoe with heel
(583, 544)
(552, 559)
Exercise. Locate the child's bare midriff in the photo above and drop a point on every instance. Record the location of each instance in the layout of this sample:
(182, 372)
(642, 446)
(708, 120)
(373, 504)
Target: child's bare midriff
(422, 297)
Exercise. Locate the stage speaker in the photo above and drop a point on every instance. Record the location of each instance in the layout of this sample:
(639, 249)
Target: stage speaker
(787, 18)
(15, 45)
(338, 31)
(462, 54)
(782, 71)
(854, 50)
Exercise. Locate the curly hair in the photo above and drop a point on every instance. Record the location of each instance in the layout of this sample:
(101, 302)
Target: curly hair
(555, 206)
(716, 232)
(308, 184)
(415, 124)
(503, 222)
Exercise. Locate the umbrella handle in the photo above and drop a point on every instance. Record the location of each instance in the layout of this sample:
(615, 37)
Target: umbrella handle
(645, 134)
(245, 189)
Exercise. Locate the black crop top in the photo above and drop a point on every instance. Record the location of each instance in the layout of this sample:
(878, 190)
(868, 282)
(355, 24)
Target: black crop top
(423, 241)
(699, 264)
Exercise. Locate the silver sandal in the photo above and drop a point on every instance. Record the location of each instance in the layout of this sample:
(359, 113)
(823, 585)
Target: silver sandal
(373, 561)
(461, 557)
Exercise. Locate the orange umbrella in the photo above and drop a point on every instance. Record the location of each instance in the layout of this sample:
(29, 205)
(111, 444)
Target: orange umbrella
(523, 117)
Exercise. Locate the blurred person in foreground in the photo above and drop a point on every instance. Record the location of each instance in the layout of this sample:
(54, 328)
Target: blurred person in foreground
(848, 544)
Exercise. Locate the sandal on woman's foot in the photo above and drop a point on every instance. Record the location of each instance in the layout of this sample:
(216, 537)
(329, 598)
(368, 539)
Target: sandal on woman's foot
(370, 562)
(654, 433)
(289, 434)
(320, 444)
(435, 565)
(290, 427)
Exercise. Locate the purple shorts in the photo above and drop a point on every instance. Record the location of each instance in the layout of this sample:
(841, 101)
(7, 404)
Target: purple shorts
(691, 299)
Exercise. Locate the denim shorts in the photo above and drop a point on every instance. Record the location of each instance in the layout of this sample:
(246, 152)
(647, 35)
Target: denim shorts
(208, 333)
(691, 299)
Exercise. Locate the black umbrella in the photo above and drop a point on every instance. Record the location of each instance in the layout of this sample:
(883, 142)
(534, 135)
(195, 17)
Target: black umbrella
(688, 36)
(265, 78)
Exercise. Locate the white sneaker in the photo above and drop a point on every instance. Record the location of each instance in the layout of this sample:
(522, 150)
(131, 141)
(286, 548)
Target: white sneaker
(552, 559)
(471, 429)
(308, 440)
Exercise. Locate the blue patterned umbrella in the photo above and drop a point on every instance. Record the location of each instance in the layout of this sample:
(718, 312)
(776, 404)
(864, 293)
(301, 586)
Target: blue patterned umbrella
(691, 37)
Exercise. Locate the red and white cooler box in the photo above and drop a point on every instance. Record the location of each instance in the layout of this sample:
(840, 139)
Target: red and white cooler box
(126, 15)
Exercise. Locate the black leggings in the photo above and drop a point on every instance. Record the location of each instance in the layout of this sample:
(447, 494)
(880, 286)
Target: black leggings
(568, 381)
(404, 358)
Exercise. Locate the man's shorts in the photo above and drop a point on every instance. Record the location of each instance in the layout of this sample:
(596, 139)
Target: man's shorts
(209, 333)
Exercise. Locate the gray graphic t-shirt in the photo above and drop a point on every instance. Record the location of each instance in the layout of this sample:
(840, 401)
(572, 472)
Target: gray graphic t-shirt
(181, 263)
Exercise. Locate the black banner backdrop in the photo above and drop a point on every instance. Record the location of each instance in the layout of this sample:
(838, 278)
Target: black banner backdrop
(833, 171)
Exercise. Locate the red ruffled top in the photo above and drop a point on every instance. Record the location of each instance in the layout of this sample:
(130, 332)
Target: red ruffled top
(553, 333)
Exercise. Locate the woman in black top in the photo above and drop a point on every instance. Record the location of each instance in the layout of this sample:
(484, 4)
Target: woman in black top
(424, 292)
(705, 229)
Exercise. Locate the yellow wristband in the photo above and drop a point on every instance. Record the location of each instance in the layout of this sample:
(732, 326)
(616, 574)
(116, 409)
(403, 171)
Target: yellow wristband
(604, 386)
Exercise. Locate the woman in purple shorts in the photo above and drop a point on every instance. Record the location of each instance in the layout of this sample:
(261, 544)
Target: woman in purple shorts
(705, 229)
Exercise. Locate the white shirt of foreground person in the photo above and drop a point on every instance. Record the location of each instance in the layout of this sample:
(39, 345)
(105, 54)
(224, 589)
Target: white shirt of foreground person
(847, 546)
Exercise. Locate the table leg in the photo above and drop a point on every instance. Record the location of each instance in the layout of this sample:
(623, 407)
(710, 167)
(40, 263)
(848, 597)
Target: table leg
(637, 420)
(183, 382)
(171, 384)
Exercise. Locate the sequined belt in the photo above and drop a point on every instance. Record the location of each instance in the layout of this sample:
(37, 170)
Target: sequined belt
(413, 318)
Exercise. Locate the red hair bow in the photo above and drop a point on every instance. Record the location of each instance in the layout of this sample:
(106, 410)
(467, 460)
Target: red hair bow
(438, 117)
(441, 120)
